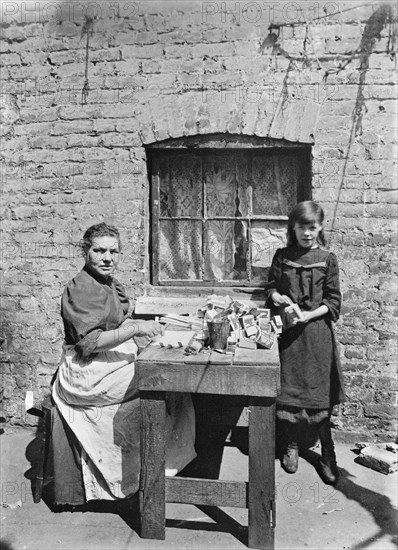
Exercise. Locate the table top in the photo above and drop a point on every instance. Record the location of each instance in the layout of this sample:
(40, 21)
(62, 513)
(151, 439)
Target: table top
(247, 372)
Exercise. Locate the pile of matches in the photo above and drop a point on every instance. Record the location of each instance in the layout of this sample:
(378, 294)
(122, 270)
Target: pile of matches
(250, 326)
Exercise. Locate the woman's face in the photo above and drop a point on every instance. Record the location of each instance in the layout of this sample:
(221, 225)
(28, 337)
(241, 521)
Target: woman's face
(103, 256)
(307, 233)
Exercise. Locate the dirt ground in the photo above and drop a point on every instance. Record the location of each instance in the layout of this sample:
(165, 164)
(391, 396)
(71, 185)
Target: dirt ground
(361, 512)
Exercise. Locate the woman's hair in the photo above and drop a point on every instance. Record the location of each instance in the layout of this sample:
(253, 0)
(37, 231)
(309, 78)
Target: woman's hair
(305, 212)
(98, 230)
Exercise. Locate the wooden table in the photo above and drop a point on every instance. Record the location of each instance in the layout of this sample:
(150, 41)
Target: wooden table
(254, 374)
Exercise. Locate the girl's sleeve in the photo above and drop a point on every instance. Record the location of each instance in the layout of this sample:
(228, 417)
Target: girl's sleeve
(331, 287)
(274, 277)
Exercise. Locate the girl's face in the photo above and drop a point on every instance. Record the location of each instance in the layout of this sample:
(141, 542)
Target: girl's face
(103, 256)
(307, 233)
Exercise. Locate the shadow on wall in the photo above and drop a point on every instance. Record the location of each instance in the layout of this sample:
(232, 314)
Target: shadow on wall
(384, 17)
(380, 19)
(2, 418)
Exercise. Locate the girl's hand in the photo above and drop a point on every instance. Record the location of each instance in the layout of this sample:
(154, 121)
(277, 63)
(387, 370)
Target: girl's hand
(306, 316)
(281, 299)
(311, 315)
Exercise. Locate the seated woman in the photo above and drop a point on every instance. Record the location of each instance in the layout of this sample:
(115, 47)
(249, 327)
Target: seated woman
(95, 389)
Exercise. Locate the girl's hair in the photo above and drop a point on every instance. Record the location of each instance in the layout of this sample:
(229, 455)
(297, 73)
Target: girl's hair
(305, 212)
(98, 230)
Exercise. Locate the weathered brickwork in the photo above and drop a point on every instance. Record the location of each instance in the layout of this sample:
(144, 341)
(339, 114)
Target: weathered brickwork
(322, 73)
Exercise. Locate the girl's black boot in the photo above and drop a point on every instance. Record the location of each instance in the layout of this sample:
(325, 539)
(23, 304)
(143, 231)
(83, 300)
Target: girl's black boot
(327, 467)
(290, 456)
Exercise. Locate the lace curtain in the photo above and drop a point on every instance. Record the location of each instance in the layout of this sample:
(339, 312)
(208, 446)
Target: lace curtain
(209, 207)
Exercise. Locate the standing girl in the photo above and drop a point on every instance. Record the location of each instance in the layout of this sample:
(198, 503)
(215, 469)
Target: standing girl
(311, 379)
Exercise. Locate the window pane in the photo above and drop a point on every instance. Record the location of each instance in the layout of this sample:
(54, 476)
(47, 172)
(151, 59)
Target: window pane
(266, 238)
(180, 250)
(180, 184)
(219, 249)
(220, 185)
(244, 191)
(241, 250)
(275, 179)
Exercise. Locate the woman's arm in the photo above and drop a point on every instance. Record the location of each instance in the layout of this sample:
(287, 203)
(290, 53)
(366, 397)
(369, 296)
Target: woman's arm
(128, 329)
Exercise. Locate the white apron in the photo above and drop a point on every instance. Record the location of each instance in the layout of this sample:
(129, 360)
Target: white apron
(99, 401)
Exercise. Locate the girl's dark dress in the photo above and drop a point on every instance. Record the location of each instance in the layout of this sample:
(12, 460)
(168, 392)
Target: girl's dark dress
(310, 369)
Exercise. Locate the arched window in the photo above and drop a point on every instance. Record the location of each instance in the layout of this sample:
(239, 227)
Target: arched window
(219, 207)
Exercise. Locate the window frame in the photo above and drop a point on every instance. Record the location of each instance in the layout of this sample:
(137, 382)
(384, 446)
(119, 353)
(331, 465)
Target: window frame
(219, 144)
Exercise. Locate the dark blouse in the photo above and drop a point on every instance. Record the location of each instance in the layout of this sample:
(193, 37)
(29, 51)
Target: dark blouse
(89, 306)
(310, 368)
(309, 277)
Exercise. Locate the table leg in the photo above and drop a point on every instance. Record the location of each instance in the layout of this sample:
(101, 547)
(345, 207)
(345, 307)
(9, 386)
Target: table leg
(152, 482)
(261, 473)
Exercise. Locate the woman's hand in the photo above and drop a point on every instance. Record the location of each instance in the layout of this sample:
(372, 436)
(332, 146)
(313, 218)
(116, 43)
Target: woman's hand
(281, 300)
(128, 329)
(150, 329)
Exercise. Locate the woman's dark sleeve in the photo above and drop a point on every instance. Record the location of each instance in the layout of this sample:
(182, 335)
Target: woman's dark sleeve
(82, 317)
(88, 309)
(124, 300)
(331, 287)
(274, 277)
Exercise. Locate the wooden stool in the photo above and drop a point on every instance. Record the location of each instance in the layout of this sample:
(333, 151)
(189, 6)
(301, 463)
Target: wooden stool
(43, 410)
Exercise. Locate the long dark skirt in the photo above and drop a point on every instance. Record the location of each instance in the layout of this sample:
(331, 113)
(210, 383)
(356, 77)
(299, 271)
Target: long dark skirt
(310, 368)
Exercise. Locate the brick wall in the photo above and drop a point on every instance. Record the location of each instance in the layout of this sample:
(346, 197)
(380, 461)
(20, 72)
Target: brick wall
(159, 70)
